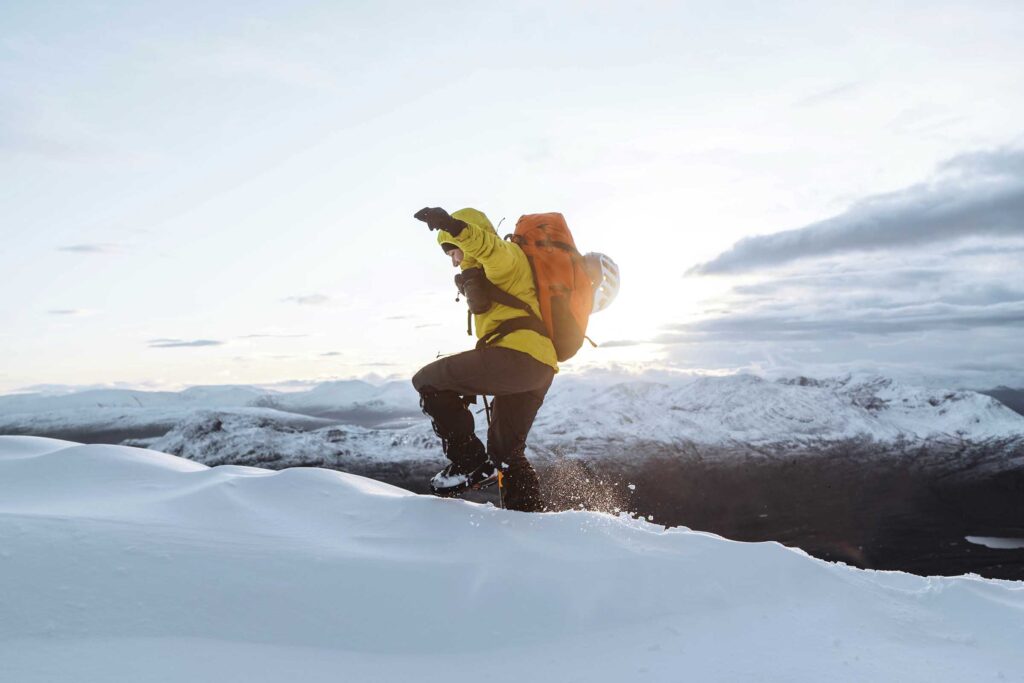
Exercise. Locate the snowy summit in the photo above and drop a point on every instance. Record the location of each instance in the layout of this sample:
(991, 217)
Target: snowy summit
(128, 564)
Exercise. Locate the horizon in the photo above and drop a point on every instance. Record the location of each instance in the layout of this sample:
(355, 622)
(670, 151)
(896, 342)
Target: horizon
(220, 196)
(609, 374)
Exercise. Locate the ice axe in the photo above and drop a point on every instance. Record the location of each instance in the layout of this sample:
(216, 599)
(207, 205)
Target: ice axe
(501, 474)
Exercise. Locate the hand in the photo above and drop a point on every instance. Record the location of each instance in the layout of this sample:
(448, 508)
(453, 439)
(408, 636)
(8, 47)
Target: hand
(437, 218)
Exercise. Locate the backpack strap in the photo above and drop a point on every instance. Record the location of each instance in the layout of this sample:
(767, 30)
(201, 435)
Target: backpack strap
(507, 327)
(531, 321)
(499, 295)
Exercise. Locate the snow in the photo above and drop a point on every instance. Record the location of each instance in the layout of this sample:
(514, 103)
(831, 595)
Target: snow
(752, 410)
(121, 563)
(151, 419)
(997, 543)
(219, 438)
(125, 398)
(666, 408)
(28, 446)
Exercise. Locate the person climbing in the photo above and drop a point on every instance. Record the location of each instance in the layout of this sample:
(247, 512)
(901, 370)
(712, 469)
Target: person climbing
(515, 359)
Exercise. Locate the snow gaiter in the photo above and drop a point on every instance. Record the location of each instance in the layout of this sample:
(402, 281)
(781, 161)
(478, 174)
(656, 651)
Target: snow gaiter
(454, 425)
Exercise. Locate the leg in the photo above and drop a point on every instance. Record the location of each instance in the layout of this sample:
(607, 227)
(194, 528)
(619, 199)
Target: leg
(454, 425)
(511, 420)
(442, 386)
(494, 371)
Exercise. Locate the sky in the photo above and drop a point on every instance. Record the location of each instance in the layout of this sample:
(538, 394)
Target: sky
(196, 193)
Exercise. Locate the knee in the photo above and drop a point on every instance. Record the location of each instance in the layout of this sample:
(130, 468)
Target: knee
(418, 382)
(435, 403)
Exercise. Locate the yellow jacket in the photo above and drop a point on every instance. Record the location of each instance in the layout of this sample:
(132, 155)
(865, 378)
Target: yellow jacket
(505, 265)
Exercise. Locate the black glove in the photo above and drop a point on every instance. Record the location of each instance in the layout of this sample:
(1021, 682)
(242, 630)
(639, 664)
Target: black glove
(473, 285)
(438, 219)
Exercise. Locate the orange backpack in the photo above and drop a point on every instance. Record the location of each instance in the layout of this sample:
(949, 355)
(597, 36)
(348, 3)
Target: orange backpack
(563, 288)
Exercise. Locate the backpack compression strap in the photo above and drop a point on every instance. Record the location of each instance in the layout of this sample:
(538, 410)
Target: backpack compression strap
(564, 246)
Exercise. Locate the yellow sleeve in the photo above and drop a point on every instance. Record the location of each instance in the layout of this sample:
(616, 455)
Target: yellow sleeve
(497, 256)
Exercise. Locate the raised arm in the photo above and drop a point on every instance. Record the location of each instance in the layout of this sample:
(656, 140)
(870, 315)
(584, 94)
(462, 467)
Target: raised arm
(470, 230)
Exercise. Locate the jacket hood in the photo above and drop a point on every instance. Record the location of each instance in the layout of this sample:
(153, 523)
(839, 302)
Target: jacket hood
(473, 217)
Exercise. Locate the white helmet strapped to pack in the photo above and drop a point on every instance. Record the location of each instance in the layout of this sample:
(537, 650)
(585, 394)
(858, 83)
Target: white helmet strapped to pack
(607, 288)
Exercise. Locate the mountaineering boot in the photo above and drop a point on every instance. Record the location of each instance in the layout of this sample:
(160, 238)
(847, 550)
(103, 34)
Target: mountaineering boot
(469, 468)
(453, 423)
(522, 487)
(453, 479)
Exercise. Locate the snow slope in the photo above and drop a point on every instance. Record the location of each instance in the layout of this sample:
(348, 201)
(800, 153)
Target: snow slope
(126, 564)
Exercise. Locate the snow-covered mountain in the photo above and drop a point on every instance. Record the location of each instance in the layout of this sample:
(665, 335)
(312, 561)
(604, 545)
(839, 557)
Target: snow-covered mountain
(114, 399)
(128, 564)
(137, 414)
(582, 412)
(226, 438)
(749, 409)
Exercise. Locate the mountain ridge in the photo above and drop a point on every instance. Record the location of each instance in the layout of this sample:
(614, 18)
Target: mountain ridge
(669, 408)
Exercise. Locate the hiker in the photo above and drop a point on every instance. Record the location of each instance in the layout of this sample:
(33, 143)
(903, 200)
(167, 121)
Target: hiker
(515, 358)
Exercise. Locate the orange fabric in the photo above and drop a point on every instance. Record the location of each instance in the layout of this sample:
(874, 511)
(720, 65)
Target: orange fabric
(563, 288)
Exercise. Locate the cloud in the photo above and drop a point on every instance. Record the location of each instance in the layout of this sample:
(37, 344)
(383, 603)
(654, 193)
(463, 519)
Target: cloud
(920, 316)
(1007, 366)
(74, 312)
(242, 61)
(976, 194)
(94, 248)
(813, 325)
(181, 343)
(272, 336)
(618, 343)
(331, 354)
(896, 279)
(36, 134)
(64, 389)
(830, 93)
(939, 300)
(843, 292)
(1001, 248)
(1006, 162)
(308, 300)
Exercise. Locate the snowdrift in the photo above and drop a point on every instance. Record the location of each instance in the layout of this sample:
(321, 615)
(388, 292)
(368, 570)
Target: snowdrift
(127, 564)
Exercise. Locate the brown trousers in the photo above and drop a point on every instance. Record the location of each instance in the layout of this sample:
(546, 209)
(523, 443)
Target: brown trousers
(518, 383)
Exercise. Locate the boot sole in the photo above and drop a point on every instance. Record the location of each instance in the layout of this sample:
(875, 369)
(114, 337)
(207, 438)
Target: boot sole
(449, 493)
